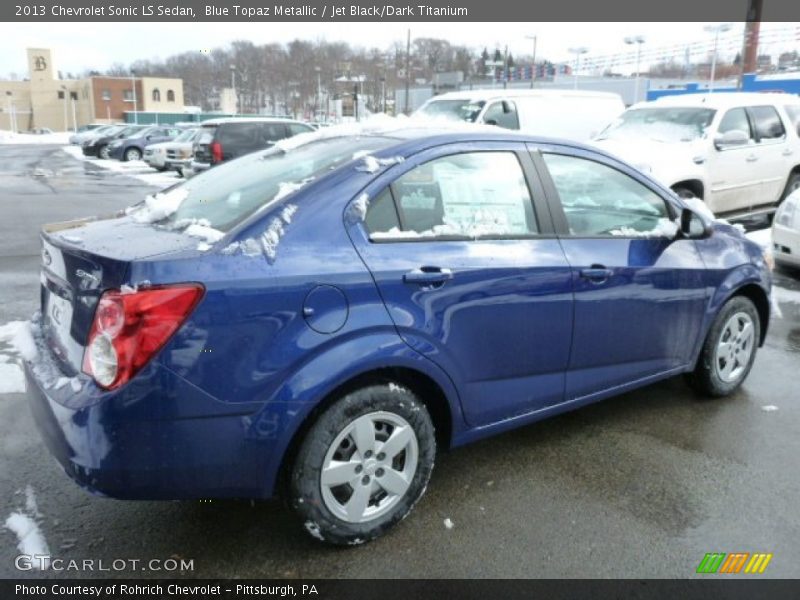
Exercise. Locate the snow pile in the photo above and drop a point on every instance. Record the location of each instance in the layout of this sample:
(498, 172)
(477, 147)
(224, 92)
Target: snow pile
(289, 187)
(20, 336)
(448, 523)
(9, 137)
(357, 211)
(373, 165)
(158, 207)
(482, 223)
(12, 379)
(24, 523)
(267, 243)
(664, 228)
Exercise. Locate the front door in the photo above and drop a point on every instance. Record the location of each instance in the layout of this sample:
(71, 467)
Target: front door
(639, 291)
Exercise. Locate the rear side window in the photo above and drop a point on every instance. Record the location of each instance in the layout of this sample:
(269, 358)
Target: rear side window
(466, 196)
(503, 114)
(598, 200)
(767, 123)
(244, 134)
(206, 135)
(272, 132)
(794, 115)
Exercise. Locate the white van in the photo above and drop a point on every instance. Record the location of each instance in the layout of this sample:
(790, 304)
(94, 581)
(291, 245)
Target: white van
(571, 114)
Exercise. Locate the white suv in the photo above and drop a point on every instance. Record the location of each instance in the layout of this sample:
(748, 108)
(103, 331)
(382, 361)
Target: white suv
(739, 152)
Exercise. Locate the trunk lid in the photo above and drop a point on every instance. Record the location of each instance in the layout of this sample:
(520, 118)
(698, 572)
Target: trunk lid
(80, 260)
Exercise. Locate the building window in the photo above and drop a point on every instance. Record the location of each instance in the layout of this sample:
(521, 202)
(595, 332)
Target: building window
(106, 95)
(127, 95)
(61, 95)
(156, 95)
(170, 96)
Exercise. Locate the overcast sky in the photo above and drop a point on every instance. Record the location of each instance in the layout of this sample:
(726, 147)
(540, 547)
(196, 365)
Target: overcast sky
(81, 46)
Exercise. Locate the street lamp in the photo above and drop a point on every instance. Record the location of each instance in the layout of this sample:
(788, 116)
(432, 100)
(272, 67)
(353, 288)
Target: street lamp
(533, 60)
(638, 40)
(133, 89)
(233, 88)
(64, 94)
(577, 52)
(716, 30)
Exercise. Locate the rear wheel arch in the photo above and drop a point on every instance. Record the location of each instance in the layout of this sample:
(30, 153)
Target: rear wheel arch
(425, 388)
(791, 181)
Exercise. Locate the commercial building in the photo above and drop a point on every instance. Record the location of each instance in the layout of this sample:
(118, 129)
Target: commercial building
(45, 100)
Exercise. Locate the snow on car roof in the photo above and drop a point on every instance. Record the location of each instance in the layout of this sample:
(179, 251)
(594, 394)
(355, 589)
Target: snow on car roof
(484, 94)
(721, 99)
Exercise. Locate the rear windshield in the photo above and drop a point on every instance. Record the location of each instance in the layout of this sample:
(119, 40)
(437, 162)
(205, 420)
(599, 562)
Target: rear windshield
(229, 193)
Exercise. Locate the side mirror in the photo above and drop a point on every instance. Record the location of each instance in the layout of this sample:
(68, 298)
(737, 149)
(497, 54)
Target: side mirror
(693, 226)
(149, 136)
(731, 139)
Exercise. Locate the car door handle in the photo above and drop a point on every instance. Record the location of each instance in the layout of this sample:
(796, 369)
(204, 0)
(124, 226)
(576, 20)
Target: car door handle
(751, 158)
(428, 276)
(596, 273)
(787, 152)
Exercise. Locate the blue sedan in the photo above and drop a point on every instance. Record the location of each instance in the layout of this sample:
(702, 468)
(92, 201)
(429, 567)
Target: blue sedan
(316, 319)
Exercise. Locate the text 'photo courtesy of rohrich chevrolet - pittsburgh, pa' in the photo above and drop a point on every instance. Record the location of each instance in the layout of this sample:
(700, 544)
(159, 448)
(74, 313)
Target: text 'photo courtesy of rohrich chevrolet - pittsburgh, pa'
(513, 300)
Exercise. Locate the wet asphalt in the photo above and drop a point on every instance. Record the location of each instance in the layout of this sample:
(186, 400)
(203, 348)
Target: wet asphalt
(642, 485)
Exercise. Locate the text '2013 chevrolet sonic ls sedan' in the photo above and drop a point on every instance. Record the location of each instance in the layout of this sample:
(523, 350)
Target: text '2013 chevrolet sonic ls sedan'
(315, 319)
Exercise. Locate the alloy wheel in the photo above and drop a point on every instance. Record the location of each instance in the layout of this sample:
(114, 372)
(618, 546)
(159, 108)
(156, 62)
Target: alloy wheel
(734, 348)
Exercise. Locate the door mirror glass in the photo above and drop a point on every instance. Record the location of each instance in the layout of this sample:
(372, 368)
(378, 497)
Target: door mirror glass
(731, 139)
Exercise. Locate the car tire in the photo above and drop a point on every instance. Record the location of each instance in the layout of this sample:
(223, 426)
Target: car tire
(729, 350)
(102, 152)
(791, 186)
(161, 169)
(336, 484)
(132, 154)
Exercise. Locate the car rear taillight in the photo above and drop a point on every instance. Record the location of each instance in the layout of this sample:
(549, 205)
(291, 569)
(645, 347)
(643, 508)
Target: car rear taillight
(216, 152)
(129, 328)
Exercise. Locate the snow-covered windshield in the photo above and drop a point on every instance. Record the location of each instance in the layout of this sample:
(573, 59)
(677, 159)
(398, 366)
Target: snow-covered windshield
(229, 193)
(454, 110)
(666, 124)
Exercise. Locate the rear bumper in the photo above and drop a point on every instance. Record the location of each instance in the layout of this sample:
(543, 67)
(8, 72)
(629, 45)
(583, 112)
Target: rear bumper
(126, 444)
(786, 245)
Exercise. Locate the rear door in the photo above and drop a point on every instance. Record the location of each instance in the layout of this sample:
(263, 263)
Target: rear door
(640, 293)
(775, 151)
(461, 246)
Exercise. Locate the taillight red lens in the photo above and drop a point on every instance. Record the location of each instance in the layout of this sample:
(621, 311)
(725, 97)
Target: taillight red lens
(216, 152)
(135, 326)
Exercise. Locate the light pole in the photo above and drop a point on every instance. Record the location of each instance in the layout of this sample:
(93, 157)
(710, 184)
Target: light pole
(73, 101)
(638, 40)
(533, 60)
(577, 52)
(233, 88)
(133, 89)
(64, 92)
(716, 30)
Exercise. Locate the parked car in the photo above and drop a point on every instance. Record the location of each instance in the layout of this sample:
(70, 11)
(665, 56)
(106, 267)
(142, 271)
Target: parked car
(132, 147)
(99, 145)
(739, 152)
(318, 318)
(571, 114)
(41, 131)
(786, 232)
(164, 156)
(225, 139)
(78, 137)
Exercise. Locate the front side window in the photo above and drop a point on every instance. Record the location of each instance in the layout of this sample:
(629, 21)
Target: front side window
(735, 120)
(503, 114)
(598, 200)
(453, 110)
(462, 196)
(767, 123)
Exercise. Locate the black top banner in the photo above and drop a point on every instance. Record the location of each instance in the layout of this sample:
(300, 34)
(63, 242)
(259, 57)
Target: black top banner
(395, 11)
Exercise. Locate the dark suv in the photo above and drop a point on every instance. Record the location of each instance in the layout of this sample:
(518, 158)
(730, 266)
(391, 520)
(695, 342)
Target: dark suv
(224, 139)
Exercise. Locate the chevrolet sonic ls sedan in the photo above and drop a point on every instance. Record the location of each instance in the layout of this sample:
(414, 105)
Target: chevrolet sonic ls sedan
(316, 319)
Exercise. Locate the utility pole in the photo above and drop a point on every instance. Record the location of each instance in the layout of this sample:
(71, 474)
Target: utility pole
(505, 67)
(751, 33)
(638, 40)
(716, 30)
(577, 52)
(65, 92)
(135, 107)
(408, 68)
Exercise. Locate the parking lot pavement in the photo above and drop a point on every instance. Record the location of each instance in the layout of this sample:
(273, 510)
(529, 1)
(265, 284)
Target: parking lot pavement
(642, 485)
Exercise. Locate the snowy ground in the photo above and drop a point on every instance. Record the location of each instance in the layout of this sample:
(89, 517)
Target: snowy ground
(59, 137)
(134, 168)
